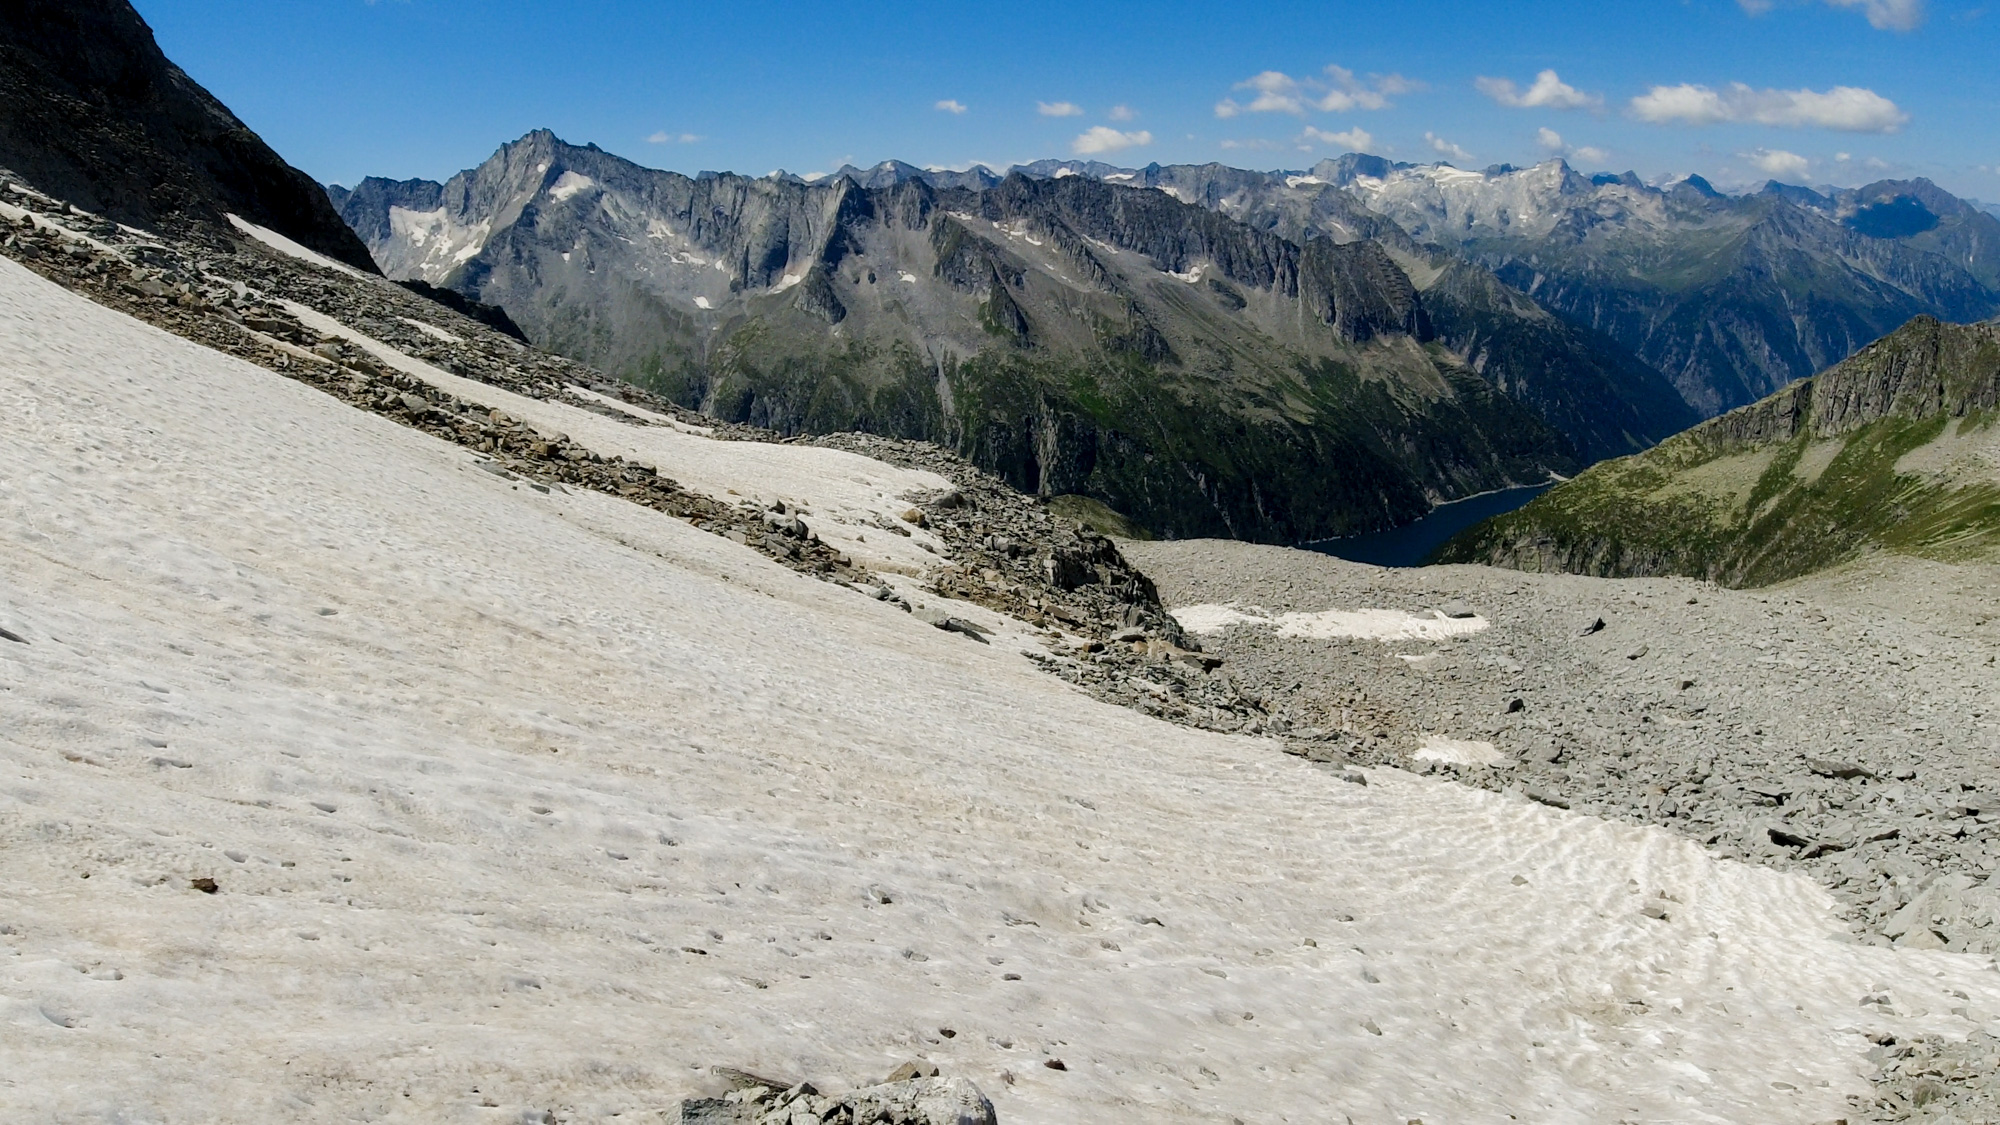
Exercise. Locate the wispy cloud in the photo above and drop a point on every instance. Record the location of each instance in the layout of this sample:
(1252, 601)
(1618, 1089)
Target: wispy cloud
(1850, 109)
(1122, 113)
(1334, 90)
(1252, 144)
(1059, 109)
(950, 105)
(1548, 91)
(1446, 148)
(1887, 15)
(1356, 139)
(665, 138)
(1103, 138)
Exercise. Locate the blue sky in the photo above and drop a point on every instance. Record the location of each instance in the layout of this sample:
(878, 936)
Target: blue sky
(1811, 91)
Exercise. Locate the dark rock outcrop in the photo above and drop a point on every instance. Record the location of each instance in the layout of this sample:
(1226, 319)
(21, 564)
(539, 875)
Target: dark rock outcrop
(92, 112)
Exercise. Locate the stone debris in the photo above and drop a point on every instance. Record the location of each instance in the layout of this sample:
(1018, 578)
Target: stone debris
(913, 1095)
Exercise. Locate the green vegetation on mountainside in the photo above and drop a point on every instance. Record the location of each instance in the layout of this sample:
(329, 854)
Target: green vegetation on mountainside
(1895, 450)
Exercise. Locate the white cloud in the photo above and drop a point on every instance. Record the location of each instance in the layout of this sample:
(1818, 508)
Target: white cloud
(1887, 15)
(1549, 91)
(1059, 109)
(1103, 138)
(665, 138)
(1446, 148)
(1553, 142)
(1254, 144)
(1337, 90)
(1122, 113)
(1849, 109)
(1778, 164)
(950, 105)
(1356, 139)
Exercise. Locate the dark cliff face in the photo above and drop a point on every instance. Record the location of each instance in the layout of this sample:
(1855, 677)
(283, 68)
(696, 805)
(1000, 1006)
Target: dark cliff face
(92, 112)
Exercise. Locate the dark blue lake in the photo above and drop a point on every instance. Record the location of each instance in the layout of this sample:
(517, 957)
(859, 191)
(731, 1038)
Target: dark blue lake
(1412, 543)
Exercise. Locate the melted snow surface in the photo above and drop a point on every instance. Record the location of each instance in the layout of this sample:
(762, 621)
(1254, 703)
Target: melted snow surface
(1359, 624)
(549, 802)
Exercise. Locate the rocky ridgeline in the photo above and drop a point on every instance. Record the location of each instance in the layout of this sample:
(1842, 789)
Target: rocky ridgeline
(913, 1095)
(1103, 620)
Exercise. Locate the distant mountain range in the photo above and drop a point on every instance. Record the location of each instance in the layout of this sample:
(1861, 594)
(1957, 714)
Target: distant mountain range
(1729, 296)
(1199, 375)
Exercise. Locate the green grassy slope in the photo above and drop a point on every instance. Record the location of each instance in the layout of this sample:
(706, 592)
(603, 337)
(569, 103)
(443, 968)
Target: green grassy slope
(1895, 449)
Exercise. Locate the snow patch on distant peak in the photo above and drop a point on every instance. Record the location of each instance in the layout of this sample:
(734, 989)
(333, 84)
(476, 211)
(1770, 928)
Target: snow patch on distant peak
(1119, 177)
(569, 184)
(702, 303)
(1302, 181)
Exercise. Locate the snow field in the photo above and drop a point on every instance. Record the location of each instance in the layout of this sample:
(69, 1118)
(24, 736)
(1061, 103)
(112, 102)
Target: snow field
(847, 495)
(1358, 624)
(551, 802)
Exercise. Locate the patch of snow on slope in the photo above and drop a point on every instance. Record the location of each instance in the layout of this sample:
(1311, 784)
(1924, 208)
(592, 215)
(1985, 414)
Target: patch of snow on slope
(431, 330)
(570, 184)
(702, 303)
(1458, 752)
(787, 282)
(291, 249)
(1359, 624)
(849, 496)
(559, 798)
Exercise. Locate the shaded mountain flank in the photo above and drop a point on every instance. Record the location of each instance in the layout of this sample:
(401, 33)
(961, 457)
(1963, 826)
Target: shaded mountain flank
(93, 113)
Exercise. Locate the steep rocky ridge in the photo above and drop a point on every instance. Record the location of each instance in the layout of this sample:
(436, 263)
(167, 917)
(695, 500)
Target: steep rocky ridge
(1893, 449)
(1075, 336)
(92, 112)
